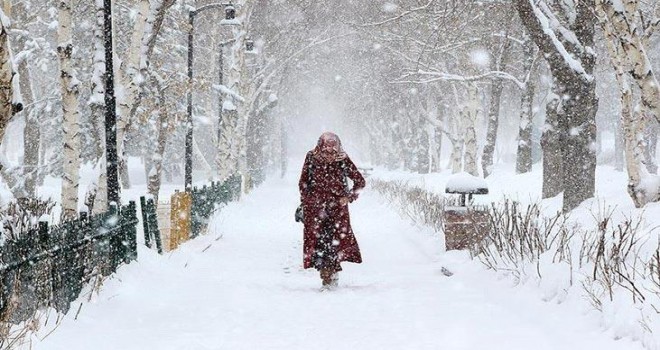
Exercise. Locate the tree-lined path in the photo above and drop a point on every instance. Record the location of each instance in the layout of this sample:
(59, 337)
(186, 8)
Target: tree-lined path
(241, 287)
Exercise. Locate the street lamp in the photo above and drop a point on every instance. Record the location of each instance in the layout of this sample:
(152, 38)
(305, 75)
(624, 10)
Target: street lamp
(230, 14)
(230, 11)
(110, 112)
(249, 45)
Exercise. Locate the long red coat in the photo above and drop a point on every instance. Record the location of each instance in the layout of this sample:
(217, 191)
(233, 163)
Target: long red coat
(321, 202)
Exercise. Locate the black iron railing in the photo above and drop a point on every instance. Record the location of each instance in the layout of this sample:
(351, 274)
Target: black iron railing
(50, 266)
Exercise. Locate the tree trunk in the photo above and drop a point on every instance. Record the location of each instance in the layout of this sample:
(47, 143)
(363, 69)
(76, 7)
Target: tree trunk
(97, 107)
(31, 132)
(130, 80)
(157, 157)
(651, 138)
(574, 81)
(493, 125)
(550, 143)
(69, 89)
(7, 106)
(457, 142)
(618, 145)
(283, 148)
(470, 114)
(496, 88)
(96, 102)
(627, 54)
(524, 153)
(233, 116)
(423, 148)
(436, 146)
(226, 161)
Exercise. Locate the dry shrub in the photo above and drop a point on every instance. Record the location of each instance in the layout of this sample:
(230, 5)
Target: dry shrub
(422, 207)
(616, 258)
(610, 257)
(22, 215)
(518, 236)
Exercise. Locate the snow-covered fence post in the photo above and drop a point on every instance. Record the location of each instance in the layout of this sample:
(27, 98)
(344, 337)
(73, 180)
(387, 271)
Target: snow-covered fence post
(145, 223)
(129, 228)
(153, 224)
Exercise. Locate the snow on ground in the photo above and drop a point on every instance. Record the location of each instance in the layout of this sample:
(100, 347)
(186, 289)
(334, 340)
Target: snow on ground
(241, 286)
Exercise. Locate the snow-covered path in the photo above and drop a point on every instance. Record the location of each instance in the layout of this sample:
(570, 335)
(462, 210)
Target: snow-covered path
(242, 287)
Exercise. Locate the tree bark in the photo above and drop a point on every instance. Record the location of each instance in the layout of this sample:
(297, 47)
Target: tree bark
(574, 81)
(70, 126)
(233, 116)
(651, 138)
(157, 157)
(626, 47)
(493, 124)
(31, 132)
(7, 106)
(496, 88)
(550, 143)
(618, 145)
(471, 113)
(457, 141)
(130, 79)
(97, 106)
(524, 153)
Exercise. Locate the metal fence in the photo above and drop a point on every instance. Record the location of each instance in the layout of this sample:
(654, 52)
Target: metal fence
(207, 198)
(150, 224)
(50, 266)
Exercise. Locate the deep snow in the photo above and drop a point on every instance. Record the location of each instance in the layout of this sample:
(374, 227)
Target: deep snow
(241, 286)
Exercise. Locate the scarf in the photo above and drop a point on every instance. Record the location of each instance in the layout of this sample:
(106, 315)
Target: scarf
(328, 149)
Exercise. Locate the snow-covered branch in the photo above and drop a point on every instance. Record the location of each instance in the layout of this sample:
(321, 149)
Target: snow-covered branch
(440, 76)
(227, 91)
(400, 16)
(546, 25)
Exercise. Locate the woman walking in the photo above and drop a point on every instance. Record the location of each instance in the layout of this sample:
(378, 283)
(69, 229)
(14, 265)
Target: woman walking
(324, 191)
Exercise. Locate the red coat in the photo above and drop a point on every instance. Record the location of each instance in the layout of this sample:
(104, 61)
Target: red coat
(327, 186)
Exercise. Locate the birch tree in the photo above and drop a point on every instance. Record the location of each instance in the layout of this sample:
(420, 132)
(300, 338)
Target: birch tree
(625, 41)
(71, 113)
(97, 108)
(25, 45)
(234, 117)
(163, 127)
(470, 115)
(9, 94)
(147, 25)
(456, 132)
